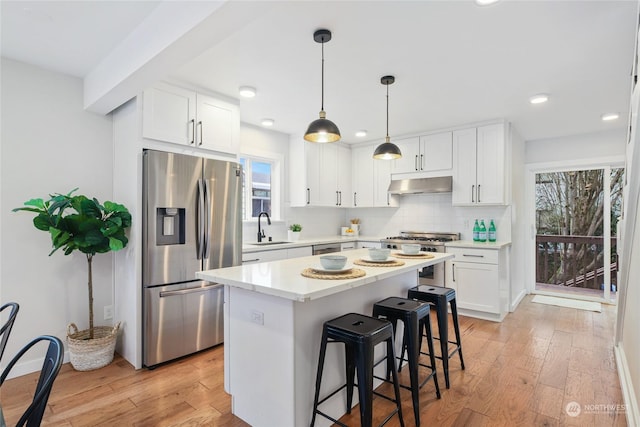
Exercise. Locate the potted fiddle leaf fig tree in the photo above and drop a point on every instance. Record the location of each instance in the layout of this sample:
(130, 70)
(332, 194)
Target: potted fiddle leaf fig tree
(76, 222)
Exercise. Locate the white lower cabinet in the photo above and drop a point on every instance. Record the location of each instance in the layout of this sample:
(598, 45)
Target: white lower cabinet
(368, 245)
(275, 254)
(263, 256)
(481, 280)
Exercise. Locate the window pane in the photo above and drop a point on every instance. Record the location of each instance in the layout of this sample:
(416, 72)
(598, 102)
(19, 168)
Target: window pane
(261, 187)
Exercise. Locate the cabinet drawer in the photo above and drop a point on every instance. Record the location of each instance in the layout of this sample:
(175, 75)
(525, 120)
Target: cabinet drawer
(482, 256)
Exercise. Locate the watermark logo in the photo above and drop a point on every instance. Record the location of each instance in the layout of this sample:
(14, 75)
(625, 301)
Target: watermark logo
(573, 409)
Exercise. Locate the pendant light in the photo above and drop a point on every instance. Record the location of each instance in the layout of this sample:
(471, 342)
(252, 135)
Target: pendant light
(322, 129)
(387, 150)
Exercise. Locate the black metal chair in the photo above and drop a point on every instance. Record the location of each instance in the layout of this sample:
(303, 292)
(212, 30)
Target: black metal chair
(359, 334)
(6, 328)
(32, 416)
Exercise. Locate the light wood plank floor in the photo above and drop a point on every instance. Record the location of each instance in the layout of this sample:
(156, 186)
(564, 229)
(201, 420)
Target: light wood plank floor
(523, 371)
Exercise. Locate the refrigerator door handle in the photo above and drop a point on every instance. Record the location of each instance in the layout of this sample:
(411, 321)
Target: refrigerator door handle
(190, 290)
(201, 220)
(207, 223)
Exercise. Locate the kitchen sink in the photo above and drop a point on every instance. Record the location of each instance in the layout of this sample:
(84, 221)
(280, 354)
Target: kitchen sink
(279, 242)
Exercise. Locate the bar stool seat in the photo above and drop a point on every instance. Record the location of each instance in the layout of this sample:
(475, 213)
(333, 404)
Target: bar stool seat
(415, 317)
(439, 297)
(359, 334)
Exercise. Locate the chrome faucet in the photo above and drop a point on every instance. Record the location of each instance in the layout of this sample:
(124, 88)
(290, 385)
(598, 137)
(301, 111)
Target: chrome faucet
(260, 231)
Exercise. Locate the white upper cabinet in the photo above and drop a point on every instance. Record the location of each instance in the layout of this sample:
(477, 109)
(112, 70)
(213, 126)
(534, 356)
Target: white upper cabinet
(382, 179)
(429, 153)
(410, 149)
(180, 116)
(362, 170)
(217, 125)
(319, 174)
(479, 166)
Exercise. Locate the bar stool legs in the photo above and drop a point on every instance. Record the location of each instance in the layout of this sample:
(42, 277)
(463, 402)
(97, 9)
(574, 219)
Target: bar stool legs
(414, 316)
(359, 334)
(439, 296)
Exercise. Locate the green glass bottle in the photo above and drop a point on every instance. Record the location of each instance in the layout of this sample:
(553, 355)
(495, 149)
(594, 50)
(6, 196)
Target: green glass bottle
(492, 232)
(482, 233)
(476, 231)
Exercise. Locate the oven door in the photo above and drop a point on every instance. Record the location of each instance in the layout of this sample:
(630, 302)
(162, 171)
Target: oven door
(432, 275)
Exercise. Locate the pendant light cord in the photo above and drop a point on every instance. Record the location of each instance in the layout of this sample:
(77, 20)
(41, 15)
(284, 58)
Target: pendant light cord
(387, 112)
(322, 86)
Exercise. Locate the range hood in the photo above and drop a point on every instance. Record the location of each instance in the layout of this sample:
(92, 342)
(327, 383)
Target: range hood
(442, 184)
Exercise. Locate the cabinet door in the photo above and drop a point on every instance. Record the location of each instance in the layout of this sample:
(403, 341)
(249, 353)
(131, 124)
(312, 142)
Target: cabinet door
(410, 160)
(218, 125)
(312, 172)
(464, 167)
(264, 256)
(477, 286)
(344, 177)
(436, 152)
(328, 184)
(490, 165)
(382, 179)
(362, 176)
(169, 114)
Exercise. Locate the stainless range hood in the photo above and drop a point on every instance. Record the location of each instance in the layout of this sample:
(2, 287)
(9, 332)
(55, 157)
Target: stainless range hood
(442, 184)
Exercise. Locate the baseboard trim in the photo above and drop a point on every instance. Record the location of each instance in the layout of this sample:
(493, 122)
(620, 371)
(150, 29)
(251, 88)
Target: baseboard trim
(626, 385)
(517, 300)
(30, 366)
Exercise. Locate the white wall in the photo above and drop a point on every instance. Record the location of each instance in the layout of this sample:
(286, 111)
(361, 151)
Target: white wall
(49, 145)
(577, 147)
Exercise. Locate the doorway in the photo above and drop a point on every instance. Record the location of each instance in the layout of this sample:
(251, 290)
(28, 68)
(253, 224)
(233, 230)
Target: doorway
(576, 216)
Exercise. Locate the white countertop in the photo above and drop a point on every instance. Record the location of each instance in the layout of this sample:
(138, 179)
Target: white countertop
(479, 245)
(252, 247)
(283, 279)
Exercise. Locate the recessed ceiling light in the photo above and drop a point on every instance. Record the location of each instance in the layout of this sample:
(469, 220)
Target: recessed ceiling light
(610, 116)
(361, 133)
(540, 98)
(267, 122)
(247, 91)
(486, 2)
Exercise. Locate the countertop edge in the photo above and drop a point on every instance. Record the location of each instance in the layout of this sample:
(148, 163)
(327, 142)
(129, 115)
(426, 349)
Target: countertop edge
(478, 245)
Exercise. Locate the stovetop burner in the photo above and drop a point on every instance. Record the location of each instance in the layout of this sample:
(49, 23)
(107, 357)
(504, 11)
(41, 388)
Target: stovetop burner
(423, 238)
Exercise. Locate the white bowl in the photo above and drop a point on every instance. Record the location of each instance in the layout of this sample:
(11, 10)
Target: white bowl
(333, 262)
(378, 254)
(411, 249)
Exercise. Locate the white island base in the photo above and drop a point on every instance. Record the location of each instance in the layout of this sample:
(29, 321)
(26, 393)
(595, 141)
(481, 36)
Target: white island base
(272, 341)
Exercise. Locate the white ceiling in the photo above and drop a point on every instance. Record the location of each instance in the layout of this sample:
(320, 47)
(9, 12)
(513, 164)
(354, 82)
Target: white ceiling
(454, 62)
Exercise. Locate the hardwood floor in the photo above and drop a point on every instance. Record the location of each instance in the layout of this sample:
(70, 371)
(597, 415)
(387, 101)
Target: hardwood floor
(523, 371)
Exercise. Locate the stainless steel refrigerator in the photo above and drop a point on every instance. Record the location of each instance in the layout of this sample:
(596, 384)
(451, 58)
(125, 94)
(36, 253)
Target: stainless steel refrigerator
(191, 222)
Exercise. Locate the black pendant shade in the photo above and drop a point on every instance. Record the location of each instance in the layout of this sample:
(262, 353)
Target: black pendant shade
(387, 150)
(322, 129)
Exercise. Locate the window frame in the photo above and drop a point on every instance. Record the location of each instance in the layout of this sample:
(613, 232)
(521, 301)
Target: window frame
(276, 160)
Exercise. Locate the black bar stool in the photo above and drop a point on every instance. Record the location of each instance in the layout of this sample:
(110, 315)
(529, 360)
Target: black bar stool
(415, 316)
(359, 334)
(439, 296)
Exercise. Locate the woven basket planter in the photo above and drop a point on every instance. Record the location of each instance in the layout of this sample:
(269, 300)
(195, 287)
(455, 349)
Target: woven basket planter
(87, 354)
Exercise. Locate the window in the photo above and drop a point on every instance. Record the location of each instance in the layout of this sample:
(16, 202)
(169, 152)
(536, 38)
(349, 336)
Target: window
(259, 187)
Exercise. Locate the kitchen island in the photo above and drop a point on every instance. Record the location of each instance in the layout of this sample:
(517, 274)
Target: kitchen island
(273, 325)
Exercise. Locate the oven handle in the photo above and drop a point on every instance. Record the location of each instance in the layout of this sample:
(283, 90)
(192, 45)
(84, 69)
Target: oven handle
(190, 290)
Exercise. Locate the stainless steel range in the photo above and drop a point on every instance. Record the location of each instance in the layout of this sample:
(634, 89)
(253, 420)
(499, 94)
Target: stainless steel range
(429, 242)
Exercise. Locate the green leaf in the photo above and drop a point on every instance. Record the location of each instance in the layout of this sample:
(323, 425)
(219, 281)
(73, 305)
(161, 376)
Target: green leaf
(38, 203)
(114, 207)
(90, 208)
(28, 210)
(115, 244)
(42, 222)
